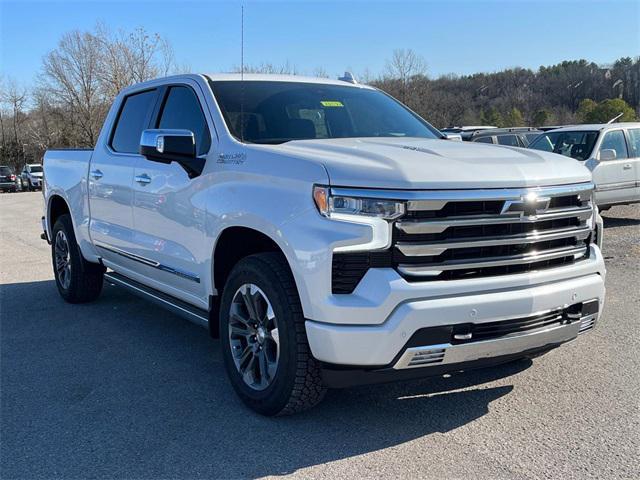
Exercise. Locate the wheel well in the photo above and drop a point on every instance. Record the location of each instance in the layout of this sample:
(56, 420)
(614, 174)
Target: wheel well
(57, 207)
(234, 244)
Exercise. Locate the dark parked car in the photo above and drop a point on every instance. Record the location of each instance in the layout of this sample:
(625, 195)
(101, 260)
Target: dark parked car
(7, 180)
(513, 137)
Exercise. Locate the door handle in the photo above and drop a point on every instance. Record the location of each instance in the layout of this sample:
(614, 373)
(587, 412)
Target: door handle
(627, 166)
(96, 174)
(143, 179)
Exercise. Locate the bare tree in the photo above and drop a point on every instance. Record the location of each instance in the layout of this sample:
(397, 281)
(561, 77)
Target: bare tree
(13, 98)
(72, 76)
(266, 67)
(88, 69)
(133, 57)
(320, 72)
(405, 64)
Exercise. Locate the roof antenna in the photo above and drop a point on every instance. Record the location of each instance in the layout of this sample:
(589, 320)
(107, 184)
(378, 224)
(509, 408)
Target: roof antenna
(615, 118)
(242, 73)
(348, 77)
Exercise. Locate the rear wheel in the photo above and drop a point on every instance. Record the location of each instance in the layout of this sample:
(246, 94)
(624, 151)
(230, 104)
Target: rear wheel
(78, 281)
(264, 342)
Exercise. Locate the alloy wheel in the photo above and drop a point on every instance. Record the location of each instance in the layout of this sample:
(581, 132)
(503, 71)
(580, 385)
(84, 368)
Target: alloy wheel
(63, 259)
(253, 336)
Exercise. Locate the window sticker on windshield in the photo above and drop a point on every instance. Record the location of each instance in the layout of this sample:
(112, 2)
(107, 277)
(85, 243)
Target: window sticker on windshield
(331, 103)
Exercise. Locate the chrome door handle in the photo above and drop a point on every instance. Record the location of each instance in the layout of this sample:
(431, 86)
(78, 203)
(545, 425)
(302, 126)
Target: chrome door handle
(96, 174)
(627, 166)
(143, 179)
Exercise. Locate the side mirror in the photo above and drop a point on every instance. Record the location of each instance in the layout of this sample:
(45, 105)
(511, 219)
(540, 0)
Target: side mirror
(172, 145)
(456, 137)
(607, 154)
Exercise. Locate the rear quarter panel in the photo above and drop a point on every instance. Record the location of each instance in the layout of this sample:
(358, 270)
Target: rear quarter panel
(65, 175)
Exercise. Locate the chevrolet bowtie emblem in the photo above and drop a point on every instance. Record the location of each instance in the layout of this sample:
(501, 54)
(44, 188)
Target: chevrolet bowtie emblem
(529, 205)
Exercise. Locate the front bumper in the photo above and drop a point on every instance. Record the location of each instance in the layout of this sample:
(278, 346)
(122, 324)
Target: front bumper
(35, 182)
(380, 346)
(461, 353)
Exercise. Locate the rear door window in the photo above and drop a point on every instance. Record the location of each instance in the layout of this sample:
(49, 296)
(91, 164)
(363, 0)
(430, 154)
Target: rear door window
(614, 140)
(182, 111)
(510, 140)
(530, 137)
(133, 119)
(484, 140)
(634, 142)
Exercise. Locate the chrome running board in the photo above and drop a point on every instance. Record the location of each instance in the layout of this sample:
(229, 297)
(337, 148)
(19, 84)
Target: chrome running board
(189, 312)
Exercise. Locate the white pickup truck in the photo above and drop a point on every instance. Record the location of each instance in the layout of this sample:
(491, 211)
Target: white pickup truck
(327, 234)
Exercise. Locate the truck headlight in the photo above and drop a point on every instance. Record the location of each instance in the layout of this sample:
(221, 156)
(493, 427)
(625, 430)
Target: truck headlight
(330, 205)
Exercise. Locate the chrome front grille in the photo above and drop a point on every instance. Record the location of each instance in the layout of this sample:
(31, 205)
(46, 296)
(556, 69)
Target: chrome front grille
(461, 234)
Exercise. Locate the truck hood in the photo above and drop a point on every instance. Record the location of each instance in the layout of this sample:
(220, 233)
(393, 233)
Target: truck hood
(416, 163)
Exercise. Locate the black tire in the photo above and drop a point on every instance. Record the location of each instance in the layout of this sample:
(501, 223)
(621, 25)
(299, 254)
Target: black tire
(296, 385)
(85, 279)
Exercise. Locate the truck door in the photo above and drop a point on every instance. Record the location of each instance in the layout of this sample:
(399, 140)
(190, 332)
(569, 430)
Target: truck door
(169, 208)
(111, 177)
(615, 179)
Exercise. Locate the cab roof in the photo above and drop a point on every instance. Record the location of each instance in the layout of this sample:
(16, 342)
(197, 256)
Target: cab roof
(268, 77)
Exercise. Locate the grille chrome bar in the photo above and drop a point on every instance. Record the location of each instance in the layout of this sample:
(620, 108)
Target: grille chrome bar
(417, 270)
(441, 224)
(436, 248)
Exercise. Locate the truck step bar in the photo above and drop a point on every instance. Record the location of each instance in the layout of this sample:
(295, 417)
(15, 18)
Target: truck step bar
(191, 313)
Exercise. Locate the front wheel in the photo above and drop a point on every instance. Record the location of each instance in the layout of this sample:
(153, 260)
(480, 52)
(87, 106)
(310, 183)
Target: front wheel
(264, 342)
(78, 281)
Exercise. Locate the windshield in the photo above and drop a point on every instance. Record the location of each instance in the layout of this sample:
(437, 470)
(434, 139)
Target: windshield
(5, 171)
(578, 144)
(36, 169)
(277, 112)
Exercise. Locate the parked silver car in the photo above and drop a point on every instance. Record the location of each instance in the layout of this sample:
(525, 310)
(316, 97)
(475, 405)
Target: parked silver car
(31, 177)
(610, 151)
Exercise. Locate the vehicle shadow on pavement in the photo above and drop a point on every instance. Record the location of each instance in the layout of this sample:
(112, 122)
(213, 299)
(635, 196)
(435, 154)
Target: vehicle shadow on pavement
(122, 388)
(619, 221)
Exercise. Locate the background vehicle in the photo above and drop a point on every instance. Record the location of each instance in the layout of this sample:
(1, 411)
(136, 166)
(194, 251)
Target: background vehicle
(7, 180)
(467, 131)
(31, 176)
(514, 137)
(327, 234)
(610, 151)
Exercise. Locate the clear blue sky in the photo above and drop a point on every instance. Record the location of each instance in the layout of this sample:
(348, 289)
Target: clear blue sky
(454, 37)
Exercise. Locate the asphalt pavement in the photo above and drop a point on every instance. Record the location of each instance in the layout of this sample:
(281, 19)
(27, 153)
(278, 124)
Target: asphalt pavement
(121, 388)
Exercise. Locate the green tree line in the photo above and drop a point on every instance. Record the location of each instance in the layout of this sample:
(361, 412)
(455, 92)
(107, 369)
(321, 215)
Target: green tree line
(575, 91)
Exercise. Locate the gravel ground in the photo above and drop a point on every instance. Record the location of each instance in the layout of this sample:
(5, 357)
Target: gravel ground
(122, 389)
